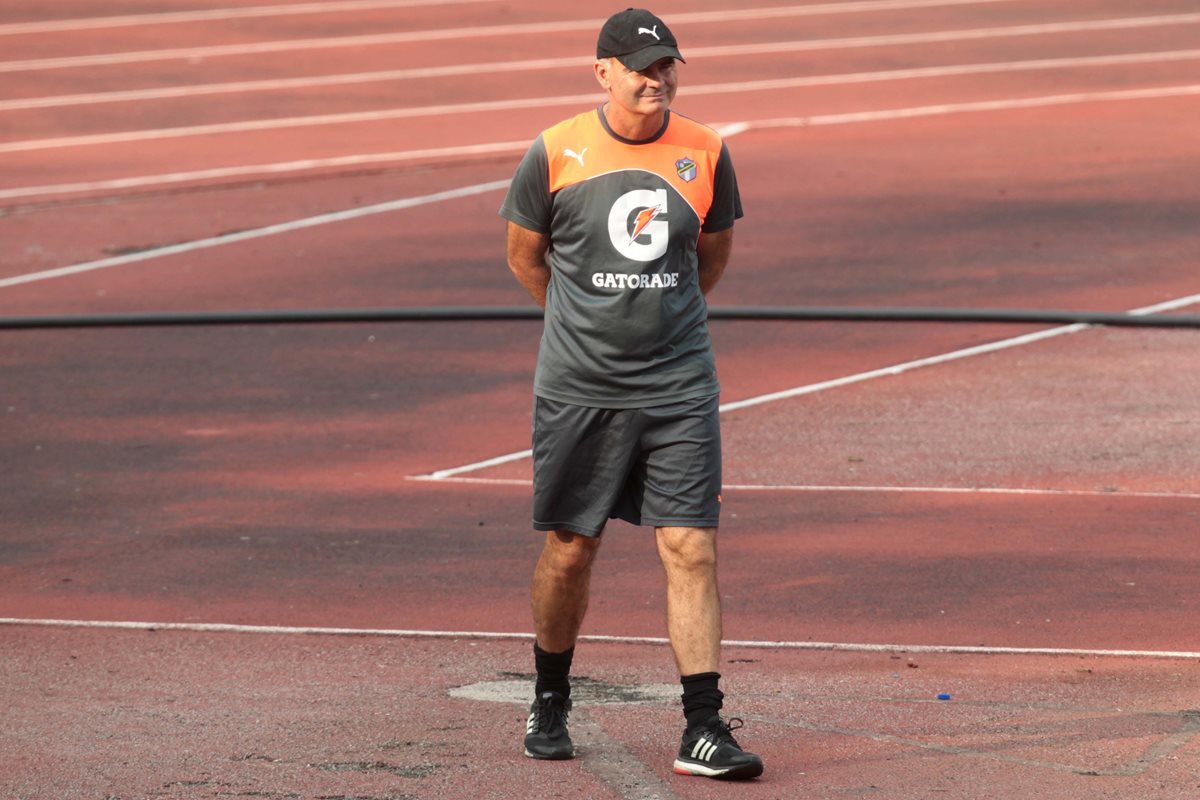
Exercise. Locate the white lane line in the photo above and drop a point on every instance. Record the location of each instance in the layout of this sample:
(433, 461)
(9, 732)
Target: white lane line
(818, 489)
(856, 647)
(266, 170)
(517, 29)
(982, 105)
(966, 490)
(900, 369)
(728, 129)
(206, 15)
(255, 233)
(492, 106)
(813, 388)
(443, 474)
(494, 67)
(1168, 305)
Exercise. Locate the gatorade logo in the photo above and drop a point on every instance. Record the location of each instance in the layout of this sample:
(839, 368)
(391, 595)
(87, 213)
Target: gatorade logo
(637, 225)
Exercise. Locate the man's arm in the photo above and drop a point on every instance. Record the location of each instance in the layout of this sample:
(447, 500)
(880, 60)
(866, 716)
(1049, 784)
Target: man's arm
(712, 253)
(527, 259)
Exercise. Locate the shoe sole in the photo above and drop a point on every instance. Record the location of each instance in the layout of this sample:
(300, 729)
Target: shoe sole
(552, 757)
(743, 772)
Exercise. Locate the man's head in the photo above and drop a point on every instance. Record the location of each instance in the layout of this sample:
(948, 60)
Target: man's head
(637, 39)
(635, 63)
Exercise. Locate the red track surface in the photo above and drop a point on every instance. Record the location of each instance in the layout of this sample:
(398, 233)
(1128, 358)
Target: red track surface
(260, 476)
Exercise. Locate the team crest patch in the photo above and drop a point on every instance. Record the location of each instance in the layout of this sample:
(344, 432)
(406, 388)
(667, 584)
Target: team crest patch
(686, 169)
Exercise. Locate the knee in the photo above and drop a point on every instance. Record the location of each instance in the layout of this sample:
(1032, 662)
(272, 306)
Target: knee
(688, 549)
(570, 555)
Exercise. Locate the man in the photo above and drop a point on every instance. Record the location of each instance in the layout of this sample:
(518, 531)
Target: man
(620, 220)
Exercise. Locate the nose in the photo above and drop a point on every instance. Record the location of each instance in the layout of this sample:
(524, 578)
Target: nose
(657, 72)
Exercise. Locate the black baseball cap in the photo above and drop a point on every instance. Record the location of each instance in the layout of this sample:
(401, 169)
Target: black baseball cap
(637, 38)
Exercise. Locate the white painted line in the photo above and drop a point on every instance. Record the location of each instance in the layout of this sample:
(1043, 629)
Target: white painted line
(206, 15)
(280, 123)
(739, 87)
(1169, 305)
(256, 233)
(900, 369)
(447, 475)
(728, 129)
(452, 477)
(490, 68)
(200, 627)
(266, 170)
(983, 105)
(731, 129)
(1122, 59)
(956, 35)
(518, 29)
(442, 474)
(1031, 492)
(884, 372)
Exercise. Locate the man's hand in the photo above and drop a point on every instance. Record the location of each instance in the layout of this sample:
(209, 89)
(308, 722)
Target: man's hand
(527, 259)
(712, 254)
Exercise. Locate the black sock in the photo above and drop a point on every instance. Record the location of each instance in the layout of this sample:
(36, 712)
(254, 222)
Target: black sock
(701, 697)
(553, 670)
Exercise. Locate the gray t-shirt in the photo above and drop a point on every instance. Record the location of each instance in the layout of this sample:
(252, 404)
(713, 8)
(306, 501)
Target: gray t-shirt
(626, 324)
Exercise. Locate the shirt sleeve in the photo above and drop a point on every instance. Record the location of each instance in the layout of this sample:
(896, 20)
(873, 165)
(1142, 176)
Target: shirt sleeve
(727, 202)
(528, 202)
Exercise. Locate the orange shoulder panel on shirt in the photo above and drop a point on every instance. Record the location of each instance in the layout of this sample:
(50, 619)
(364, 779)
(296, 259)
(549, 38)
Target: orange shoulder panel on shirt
(570, 145)
(686, 156)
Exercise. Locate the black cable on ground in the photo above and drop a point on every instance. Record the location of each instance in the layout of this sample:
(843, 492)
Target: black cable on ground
(503, 313)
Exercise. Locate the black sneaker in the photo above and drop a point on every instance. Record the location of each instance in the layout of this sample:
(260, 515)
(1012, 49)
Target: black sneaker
(711, 750)
(546, 732)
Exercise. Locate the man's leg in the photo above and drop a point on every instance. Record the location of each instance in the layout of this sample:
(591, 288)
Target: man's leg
(559, 598)
(689, 558)
(560, 588)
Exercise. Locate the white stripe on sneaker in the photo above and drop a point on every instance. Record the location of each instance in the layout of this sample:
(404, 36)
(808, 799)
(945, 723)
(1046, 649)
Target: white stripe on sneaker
(703, 750)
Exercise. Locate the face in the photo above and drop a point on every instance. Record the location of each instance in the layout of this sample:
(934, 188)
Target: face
(645, 93)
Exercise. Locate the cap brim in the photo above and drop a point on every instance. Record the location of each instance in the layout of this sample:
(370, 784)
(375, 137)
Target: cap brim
(638, 60)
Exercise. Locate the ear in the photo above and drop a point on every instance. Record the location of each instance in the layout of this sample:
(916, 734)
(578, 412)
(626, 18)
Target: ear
(603, 70)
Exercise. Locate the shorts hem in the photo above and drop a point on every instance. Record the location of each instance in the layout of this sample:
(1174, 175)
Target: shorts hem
(705, 522)
(581, 530)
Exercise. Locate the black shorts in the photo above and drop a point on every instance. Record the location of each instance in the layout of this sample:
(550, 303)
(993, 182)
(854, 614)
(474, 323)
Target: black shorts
(657, 466)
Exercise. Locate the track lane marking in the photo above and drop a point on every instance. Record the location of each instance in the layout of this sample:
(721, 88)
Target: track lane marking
(256, 233)
(857, 647)
(494, 67)
(818, 489)
(265, 170)
(492, 106)
(207, 15)
(847, 380)
(589, 25)
(726, 129)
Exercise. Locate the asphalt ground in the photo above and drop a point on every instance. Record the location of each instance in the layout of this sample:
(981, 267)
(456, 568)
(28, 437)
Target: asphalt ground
(905, 515)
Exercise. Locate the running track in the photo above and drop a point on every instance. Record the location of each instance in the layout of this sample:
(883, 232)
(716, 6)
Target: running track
(1043, 494)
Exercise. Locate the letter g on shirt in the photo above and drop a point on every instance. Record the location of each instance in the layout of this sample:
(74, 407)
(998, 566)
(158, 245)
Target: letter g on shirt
(637, 226)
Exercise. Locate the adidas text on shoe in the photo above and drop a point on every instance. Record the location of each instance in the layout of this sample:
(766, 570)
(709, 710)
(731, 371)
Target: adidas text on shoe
(546, 730)
(710, 750)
